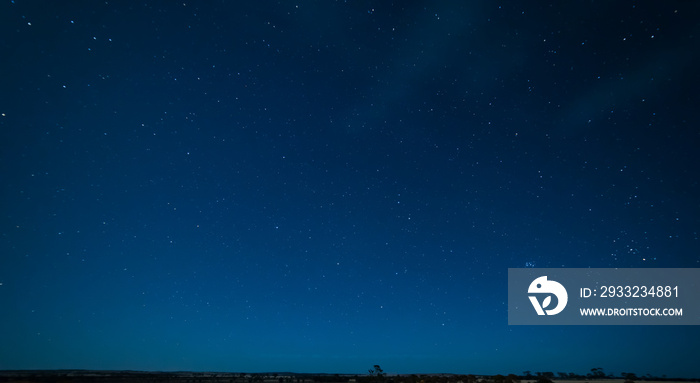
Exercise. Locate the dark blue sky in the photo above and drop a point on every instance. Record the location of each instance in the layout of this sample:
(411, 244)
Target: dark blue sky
(324, 186)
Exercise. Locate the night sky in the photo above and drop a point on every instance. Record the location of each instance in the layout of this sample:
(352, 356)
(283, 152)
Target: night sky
(321, 186)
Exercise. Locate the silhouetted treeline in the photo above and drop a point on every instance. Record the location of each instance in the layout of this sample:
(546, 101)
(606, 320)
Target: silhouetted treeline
(374, 376)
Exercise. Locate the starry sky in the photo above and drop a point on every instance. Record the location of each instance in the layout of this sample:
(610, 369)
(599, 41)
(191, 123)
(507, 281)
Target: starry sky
(321, 186)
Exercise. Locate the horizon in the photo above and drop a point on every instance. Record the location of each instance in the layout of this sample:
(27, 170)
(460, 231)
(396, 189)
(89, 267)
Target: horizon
(526, 377)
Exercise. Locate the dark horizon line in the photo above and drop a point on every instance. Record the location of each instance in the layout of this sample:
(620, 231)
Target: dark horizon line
(270, 373)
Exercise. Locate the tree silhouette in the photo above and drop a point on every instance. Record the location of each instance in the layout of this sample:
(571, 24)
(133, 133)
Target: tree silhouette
(378, 370)
(630, 377)
(544, 377)
(376, 374)
(597, 373)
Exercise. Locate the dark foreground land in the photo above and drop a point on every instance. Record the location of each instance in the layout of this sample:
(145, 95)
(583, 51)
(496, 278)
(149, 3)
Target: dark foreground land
(87, 376)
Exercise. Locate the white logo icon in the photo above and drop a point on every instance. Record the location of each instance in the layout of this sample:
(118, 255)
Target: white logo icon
(542, 285)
